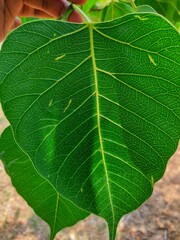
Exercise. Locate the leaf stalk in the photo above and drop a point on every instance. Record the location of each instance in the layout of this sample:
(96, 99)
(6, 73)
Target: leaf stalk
(80, 11)
(133, 4)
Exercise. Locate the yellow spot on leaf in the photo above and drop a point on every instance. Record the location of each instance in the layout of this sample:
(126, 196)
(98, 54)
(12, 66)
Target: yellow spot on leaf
(152, 60)
(152, 181)
(55, 34)
(69, 103)
(141, 18)
(81, 189)
(50, 103)
(58, 58)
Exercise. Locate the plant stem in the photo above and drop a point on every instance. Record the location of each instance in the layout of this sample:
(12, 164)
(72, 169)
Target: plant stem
(112, 9)
(79, 10)
(133, 4)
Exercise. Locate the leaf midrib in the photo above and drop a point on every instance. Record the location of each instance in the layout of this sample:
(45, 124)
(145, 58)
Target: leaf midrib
(91, 28)
(55, 217)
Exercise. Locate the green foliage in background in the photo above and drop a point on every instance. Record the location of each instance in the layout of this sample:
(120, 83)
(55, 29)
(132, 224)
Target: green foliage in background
(26, 20)
(94, 111)
(170, 9)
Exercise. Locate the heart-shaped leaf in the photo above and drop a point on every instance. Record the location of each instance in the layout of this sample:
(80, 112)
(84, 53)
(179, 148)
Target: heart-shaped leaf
(57, 211)
(95, 106)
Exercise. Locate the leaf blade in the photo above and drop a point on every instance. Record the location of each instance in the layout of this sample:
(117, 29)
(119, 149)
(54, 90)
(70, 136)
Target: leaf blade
(36, 190)
(120, 96)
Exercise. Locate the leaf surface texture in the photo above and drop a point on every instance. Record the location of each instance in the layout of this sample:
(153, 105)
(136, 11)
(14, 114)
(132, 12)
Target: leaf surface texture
(95, 106)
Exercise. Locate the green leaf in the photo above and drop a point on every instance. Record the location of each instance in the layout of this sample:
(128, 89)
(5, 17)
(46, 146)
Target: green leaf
(57, 211)
(88, 6)
(115, 10)
(29, 19)
(119, 9)
(95, 106)
(168, 8)
(145, 8)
